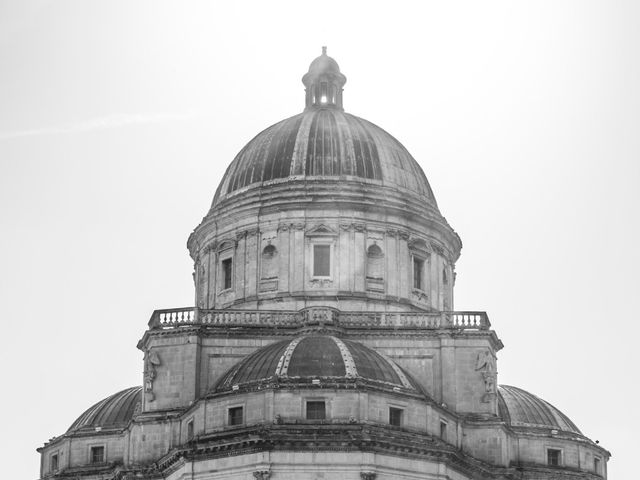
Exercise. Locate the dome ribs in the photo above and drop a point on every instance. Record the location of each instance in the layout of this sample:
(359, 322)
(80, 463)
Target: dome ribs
(522, 408)
(324, 142)
(319, 355)
(374, 366)
(277, 163)
(259, 365)
(366, 145)
(303, 360)
(114, 411)
(310, 167)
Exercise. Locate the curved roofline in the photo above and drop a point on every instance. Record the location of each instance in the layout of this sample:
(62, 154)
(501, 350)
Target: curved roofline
(520, 408)
(255, 162)
(272, 363)
(116, 410)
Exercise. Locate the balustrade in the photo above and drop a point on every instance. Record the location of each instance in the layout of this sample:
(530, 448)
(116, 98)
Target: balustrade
(177, 317)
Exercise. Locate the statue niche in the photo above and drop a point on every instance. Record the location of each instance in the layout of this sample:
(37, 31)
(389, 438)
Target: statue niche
(269, 269)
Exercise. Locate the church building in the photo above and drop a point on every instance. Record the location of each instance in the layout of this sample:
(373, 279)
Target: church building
(324, 342)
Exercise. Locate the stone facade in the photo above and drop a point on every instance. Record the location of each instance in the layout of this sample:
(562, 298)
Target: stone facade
(323, 343)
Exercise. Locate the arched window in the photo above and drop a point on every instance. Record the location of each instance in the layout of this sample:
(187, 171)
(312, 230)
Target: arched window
(375, 268)
(269, 263)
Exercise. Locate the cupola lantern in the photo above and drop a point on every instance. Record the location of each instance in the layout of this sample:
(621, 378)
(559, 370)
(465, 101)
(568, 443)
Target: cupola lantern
(324, 82)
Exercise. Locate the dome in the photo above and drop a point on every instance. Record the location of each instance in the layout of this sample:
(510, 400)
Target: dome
(115, 411)
(523, 409)
(323, 64)
(306, 358)
(321, 144)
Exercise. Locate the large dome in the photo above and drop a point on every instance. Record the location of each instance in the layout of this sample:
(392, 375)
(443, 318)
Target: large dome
(325, 143)
(303, 359)
(321, 143)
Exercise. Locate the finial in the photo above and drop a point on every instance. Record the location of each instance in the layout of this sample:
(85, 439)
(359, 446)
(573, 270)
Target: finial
(324, 50)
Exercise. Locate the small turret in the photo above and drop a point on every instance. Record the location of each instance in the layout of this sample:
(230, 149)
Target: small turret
(324, 83)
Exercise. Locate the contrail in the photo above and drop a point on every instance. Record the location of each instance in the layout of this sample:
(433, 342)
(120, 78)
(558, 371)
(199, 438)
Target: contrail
(115, 120)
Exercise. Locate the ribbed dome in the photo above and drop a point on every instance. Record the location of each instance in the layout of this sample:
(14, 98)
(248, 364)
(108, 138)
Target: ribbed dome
(323, 143)
(316, 356)
(115, 411)
(523, 409)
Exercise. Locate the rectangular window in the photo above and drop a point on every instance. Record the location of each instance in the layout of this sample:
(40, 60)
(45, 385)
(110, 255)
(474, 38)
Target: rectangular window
(596, 465)
(53, 464)
(395, 416)
(236, 416)
(443, 430)
(227, 268)
(316, 410)
(190, 430)
(418, 267)
(97, 454)
(554, 457)
(322, 260)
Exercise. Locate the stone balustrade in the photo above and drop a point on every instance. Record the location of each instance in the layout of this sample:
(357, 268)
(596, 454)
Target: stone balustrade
(321, 316)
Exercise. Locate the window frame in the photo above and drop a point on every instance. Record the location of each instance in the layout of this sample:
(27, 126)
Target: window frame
(54, 455)
(226, 255)
(321, 243)
(443, 434)
(423, 262)
(190, 429)
(597, 465)
(317, 401)
(560, 459)
(231, 408)
(94, 447)
(394, 409)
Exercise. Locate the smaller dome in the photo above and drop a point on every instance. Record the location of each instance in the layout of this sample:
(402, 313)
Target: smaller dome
(324, 64)
(115, 411)
(520, 408)
(317, 356)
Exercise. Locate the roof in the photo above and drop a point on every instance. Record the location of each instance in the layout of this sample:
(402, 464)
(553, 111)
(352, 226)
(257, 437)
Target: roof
(325, 143)
(317, 356)
(115, 411)
(521, 408)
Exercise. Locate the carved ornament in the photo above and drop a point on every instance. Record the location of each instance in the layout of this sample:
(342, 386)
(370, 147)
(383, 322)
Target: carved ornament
(151, 361)
(439, 249)
(321, 283)
(375, 235)
(486, 365)
(321, 230)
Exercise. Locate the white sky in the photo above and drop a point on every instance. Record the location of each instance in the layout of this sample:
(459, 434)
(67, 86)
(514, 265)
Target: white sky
(118, 118)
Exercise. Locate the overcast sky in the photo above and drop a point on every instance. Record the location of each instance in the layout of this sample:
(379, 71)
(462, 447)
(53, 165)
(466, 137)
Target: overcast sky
(118, 119)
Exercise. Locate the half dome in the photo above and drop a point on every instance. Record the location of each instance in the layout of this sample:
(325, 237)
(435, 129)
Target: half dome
(325, 143)
(520, 408)
(115, 411)
(317, 357)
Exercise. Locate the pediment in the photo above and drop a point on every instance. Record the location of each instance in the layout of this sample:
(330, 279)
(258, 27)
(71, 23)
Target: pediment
(321, 230)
